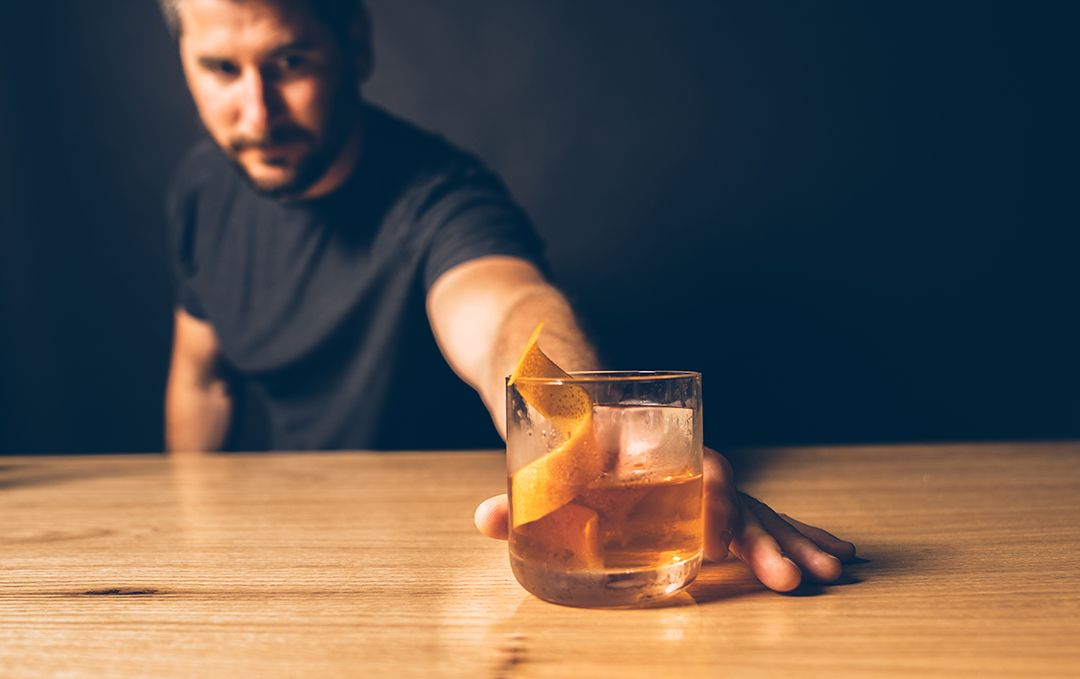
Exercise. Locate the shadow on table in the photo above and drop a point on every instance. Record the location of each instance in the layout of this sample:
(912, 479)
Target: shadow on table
(884, 562)
(733, 579)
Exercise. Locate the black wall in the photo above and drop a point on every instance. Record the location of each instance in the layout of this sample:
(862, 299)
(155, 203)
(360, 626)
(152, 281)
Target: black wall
(855, 218)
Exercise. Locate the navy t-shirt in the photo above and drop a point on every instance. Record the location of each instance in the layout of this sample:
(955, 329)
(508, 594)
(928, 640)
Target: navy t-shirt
(319, 306)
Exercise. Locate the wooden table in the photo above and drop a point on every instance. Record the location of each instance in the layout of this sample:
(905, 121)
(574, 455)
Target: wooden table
(368, 564)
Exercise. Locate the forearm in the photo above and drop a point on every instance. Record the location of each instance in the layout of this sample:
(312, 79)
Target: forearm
(562, 340)
(482, 313)
(196, 415)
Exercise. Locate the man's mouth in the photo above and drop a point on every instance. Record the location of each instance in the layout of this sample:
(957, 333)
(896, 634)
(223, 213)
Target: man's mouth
(278, 143)
(278, 154)
(275, 150)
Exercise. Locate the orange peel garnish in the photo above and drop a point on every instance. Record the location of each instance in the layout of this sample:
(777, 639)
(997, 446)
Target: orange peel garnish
(553, 480)
(567, 404)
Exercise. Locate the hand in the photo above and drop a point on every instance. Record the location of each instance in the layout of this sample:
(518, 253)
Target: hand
(779, 550)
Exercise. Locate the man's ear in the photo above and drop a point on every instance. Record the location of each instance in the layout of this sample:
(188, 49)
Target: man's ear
(361, 48)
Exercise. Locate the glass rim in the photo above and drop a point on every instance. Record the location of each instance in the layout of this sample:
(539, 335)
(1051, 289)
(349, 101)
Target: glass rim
(601, 376)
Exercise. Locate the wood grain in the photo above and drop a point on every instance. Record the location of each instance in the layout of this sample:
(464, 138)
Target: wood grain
(368, 565)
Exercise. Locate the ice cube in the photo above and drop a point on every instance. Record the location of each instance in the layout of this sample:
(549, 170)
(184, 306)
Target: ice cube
(607, 428)
(646, 442)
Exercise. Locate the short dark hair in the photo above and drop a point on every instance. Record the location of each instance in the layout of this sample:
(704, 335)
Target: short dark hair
(338, 15)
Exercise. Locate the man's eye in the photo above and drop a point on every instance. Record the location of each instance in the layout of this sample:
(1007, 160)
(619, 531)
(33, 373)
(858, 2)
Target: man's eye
(225, 69)
(292, 62)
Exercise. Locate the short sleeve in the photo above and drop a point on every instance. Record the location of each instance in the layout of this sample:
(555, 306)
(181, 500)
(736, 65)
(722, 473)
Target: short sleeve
(472, 215)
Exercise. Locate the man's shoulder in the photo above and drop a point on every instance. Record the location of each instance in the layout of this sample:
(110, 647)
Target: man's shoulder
(451, 203)
(426, 156)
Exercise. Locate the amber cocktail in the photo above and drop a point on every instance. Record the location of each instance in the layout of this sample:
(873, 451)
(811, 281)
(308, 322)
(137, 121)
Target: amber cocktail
(605, 480)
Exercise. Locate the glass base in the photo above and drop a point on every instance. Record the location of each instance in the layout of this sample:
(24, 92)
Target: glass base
(605, 588)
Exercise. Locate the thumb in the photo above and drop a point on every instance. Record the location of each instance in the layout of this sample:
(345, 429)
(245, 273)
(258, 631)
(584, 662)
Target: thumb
(492, 516)
(721, 506)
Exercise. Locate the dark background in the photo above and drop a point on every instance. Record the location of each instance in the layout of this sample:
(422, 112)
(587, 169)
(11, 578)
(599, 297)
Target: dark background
(855, 218)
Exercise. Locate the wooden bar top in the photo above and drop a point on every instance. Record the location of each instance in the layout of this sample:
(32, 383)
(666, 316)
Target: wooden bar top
(367, 564)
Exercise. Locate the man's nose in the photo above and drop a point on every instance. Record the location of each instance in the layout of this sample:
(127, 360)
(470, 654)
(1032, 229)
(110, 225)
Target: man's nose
(255, 105)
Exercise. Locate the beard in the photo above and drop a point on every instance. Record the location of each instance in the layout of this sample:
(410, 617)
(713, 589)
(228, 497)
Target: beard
(321, 149)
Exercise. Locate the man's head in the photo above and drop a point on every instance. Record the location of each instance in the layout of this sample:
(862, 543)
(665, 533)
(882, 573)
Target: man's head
(277, 84)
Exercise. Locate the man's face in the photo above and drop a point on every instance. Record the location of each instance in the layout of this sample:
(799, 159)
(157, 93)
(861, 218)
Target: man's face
(273, 88)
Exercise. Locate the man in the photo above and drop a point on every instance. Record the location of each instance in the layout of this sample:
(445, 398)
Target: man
(334, 259)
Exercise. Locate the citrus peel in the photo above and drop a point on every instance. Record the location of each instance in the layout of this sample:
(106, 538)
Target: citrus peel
(567, 404)
(554, 479)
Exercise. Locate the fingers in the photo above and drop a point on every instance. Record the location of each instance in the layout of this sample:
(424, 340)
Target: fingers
(760, 550)
(841, 549)
(721, 508)
(492, 516)
(814, 561)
